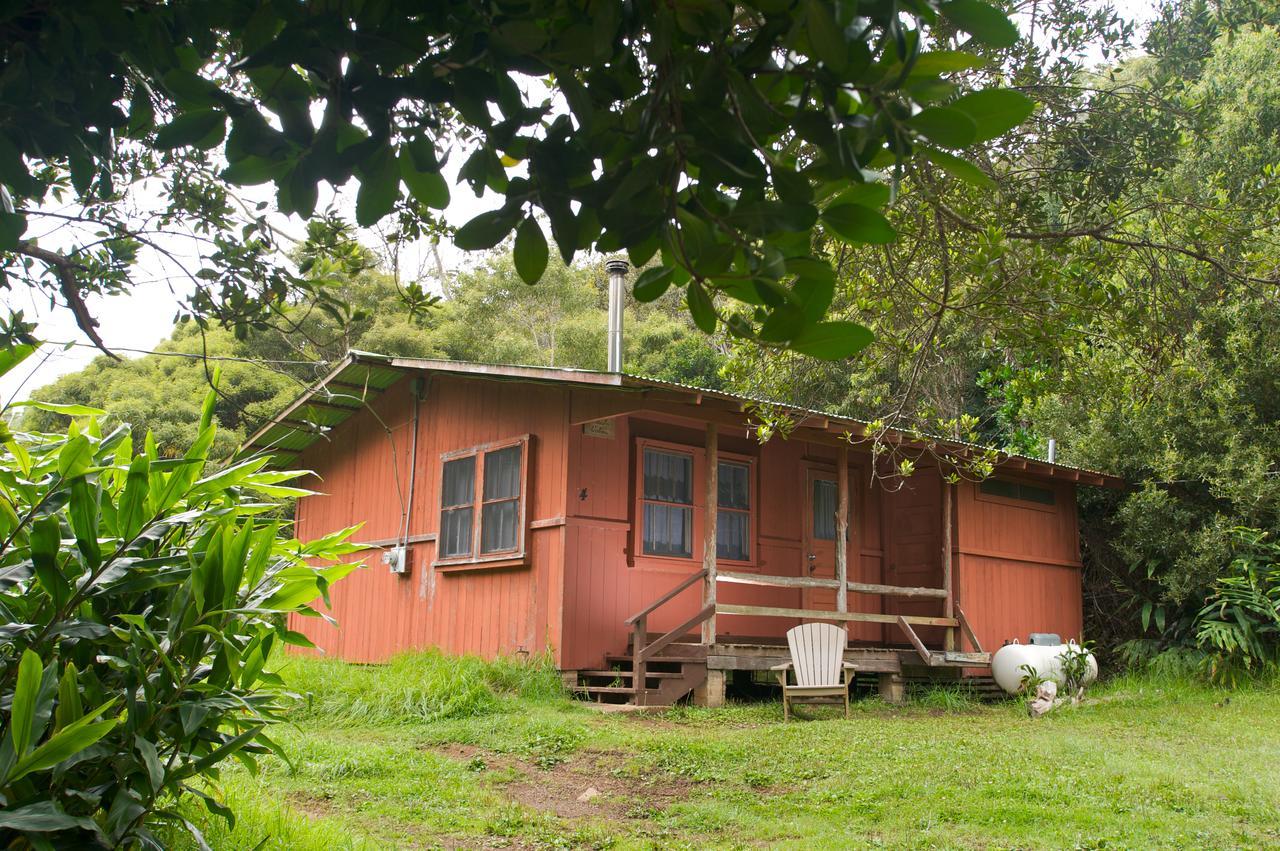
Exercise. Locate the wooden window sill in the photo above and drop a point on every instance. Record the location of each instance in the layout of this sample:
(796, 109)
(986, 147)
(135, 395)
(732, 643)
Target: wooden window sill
(508, 560)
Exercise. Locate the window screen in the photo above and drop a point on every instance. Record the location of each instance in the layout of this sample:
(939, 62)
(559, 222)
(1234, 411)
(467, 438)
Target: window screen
(457, 503)
(824, 510)
(500, 516)
(733, 521)
(667, 494)
(1016, 490)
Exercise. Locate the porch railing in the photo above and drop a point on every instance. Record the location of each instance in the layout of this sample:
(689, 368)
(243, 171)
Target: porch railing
(952, 620)
(642, 652)
(643, 649)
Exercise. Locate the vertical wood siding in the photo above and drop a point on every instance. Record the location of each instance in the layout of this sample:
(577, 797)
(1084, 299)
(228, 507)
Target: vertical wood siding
(913, 520)
(605, 582)
(364, 464)
(1018, 565)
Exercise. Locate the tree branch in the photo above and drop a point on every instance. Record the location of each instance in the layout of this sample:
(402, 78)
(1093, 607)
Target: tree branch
(64, 269)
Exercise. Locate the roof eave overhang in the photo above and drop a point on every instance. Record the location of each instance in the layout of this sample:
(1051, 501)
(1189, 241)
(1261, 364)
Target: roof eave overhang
(363, 376)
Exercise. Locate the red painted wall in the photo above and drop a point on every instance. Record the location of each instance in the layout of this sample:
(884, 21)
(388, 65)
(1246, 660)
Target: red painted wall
(1018, 565)
(913, 517)
(607, 579)
(364, 464)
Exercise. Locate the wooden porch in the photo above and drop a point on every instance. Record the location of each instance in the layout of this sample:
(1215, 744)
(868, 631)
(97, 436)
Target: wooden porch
(661, 668)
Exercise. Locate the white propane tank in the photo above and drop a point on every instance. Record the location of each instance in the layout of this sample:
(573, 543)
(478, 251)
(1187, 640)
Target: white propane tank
(1046, 659)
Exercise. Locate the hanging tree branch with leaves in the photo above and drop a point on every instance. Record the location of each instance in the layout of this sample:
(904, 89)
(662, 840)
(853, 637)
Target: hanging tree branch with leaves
(713, 136)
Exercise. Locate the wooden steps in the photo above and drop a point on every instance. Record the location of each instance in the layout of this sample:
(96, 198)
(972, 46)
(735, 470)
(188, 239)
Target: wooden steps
(670, 676)
(626, 675)
(680, 667)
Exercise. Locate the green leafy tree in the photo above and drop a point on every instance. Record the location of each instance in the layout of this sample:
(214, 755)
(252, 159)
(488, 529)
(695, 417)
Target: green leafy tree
(487, 314)
(714, 136)
(1122, 301)
(141, 597)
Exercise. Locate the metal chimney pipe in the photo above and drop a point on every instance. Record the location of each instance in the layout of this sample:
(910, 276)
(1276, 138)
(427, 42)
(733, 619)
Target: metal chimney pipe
(617, 270)
(1052, 455)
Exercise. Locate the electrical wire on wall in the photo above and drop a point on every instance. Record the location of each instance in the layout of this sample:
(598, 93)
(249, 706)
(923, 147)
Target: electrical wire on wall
(419, 389)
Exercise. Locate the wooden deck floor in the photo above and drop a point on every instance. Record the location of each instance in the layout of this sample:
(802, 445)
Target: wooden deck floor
(759, 653)
(737, 655)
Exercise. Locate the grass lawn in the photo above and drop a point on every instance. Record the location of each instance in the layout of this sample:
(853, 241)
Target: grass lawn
(432, 752)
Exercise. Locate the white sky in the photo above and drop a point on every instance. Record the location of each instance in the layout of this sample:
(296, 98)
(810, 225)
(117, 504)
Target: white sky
(144, 317)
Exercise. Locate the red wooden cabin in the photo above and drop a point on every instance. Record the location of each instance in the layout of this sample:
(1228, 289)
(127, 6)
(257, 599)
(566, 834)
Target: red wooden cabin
(639, 533)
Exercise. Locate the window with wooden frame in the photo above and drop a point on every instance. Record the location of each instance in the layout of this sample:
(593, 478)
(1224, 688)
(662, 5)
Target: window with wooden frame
(483, 503)
(825, 498)
(666, 499)
(670, 496)
(733, 511)
(1022, 493)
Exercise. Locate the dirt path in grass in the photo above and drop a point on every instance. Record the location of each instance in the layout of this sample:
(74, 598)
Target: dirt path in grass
(587, 783)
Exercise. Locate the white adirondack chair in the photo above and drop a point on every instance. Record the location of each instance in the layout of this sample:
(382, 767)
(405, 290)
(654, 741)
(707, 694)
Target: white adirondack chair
(817, 658)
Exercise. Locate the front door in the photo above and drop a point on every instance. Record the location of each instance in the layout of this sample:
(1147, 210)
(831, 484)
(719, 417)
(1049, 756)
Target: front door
(820, 537)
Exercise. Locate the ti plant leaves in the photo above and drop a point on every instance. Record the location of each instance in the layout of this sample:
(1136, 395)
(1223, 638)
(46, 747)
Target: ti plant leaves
(133, 659)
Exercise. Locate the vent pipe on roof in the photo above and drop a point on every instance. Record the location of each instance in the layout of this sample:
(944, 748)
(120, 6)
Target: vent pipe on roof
(1052, 455)
(617, 270)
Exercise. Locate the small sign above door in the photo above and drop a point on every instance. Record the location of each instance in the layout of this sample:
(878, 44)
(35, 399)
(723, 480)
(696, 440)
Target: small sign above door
(599, 428)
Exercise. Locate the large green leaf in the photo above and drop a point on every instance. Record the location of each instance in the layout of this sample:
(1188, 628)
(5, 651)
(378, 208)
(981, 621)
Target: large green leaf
(825, 35)
(69, 708)
(43, 817)
(814, 286)
(131, 513)
(856, 223)
(530, 251)
(429, 187)
(701, 308)
(832, 340)
(293, 594)
(14, 355)
(83, 510)
(484, 231)
(26, 691)
(784, 323)
(764, 217)
(199, 128)
(652, 283)
(46, 538)
(59, 408)
(995, 111)
(379, 188)
(985, 23)
(959, 168)
(65, 744)
(75, 457)
(252, 171)
(944, 126)
(12, 226)
(944, 61)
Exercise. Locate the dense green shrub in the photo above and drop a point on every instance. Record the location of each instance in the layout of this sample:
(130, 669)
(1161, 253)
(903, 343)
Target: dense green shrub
(140, 598)
(1227, 632)
(1239, 626)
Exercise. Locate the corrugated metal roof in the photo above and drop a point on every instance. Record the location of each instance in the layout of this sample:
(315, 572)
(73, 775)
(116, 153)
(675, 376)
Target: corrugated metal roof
(362, 376)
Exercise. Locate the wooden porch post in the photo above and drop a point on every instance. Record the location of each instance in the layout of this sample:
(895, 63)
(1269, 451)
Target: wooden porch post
(949, 603)
(842, 528)
(711, 513)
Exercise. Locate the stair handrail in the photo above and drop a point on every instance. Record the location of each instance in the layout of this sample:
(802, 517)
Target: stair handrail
(667, 597)
(639, 623)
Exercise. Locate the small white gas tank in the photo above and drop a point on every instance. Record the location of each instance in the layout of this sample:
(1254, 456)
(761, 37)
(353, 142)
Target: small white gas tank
(1045, 659)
